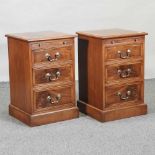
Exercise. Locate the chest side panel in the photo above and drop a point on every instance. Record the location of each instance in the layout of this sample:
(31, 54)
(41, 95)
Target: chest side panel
(90, 71)
(20, 74)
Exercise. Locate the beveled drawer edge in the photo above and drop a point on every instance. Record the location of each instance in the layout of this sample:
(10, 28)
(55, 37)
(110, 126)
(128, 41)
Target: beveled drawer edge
(133, 62)
(52, 49)
(54, 43)
(123, 61)
(124, 81)
(123, 41)
(48, 65)
(53, 109)
(52, 86)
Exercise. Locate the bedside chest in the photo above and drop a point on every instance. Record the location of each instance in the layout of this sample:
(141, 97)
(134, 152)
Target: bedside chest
(42, 84)
(111, 73)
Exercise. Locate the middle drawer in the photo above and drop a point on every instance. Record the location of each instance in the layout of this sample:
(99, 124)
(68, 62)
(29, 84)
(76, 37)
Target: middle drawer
(53, 75)
(119, 72)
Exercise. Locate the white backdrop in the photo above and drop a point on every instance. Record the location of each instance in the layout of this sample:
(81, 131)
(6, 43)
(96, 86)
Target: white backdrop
(74, 15)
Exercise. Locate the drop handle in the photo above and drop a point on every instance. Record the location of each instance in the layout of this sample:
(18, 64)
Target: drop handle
(49, 57)
(124, 96)
(53, 98)
(53, 76)
(124, 73)
(65, 42)
(124, 54)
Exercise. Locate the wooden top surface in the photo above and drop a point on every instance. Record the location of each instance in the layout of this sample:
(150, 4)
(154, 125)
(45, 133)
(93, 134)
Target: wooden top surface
(111, 33)
(38, 36)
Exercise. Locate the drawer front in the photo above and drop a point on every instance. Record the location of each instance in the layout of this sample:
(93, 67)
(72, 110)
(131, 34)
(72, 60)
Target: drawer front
(53, 75)
(54, 98)
(53, 55)
(118, 41)
(123, 94)
(51, 44)
(123, 52)
(123, 72)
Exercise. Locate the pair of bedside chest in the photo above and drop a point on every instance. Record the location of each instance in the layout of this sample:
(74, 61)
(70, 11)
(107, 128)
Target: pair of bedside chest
(42, 76)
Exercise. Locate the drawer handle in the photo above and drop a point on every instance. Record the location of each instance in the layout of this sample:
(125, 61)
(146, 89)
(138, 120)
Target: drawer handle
(49, 58)
(124, 55)
(65, 42)
(124, 73)
(125, 96)
(53, 76)
(53, 98)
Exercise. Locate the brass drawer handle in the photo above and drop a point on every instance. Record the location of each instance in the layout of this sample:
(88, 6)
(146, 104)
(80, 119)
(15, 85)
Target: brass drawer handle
(53, 76)
(123, 54)
(124, 73)
(49, 58)
(65, 42)
(125, 96)
(53, 98)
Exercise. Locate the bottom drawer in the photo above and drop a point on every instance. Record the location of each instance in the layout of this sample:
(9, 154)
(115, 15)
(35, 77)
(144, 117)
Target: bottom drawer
(123, 94)
(54, 98)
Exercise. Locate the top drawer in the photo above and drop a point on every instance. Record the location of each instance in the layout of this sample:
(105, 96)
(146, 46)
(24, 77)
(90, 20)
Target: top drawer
(126, 51)
(52, 44)
(52, 55)
(128, 40)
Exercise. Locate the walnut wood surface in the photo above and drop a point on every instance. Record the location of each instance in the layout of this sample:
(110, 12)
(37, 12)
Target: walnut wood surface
(112, 51)
(51, 44)
(111, 33)
(113, 98)
(44, 117)
(65, 75)
(112, 114)
(39, 36)
(112, 73)
(41, 98)
(20, 75)
(99, 81)
(28, 86)
(65, 54)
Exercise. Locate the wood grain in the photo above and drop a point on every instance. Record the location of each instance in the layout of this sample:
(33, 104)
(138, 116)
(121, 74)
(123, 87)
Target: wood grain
(40, 36)
(30, 90)
(40, 76)
(111, 52)
(20, 75)
(120, 72)
(41, 97)
(51, 44)
(113, 98)
(111, 33)
(90, 71)
(65, 54)
(104, 93)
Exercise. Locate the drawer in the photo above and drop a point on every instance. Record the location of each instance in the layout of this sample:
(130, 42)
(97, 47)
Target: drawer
(123, 72)
(53, 75)
(120, 52)
(54, 98)
(123, 94)
(51, 44)
(119, 41)
(53, 55)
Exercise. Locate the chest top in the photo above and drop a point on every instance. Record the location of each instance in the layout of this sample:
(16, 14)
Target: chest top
(39, 36)
(111, 33)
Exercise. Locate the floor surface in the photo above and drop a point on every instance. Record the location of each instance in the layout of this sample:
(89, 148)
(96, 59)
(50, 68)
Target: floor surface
(83, 136)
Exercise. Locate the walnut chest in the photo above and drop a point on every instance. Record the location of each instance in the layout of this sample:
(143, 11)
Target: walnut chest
(111, 73)
(42, 84)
